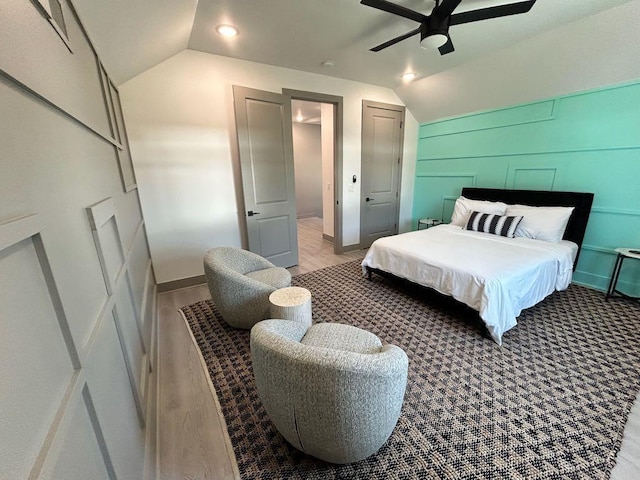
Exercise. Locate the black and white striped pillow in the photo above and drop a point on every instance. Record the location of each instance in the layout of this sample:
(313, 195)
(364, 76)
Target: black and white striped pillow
(502, 225)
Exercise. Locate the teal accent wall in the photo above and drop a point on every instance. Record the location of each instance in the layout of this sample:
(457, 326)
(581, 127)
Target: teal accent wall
(585, 142)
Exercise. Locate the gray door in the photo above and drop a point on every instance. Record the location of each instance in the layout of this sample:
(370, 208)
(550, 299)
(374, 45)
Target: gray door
(263, 121)
(382, 135)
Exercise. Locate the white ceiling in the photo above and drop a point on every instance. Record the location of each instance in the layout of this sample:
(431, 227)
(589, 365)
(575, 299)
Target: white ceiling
(132, 36)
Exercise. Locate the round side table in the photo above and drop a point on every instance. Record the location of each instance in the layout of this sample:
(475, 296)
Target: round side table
(291, 303)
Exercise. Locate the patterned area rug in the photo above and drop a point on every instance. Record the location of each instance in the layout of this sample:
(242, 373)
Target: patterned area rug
(551, 403)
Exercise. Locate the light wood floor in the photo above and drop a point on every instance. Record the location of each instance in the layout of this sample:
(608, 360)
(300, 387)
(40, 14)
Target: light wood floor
(192, 439)
(315, 252)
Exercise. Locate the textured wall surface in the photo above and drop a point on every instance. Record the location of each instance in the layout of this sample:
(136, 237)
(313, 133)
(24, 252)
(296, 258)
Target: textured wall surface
(77, 292)
(585, 142)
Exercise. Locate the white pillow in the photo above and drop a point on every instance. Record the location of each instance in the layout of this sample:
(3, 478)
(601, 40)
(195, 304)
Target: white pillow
(464, 206)
(542, 223)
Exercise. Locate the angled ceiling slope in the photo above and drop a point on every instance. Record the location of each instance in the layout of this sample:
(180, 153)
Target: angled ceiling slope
(301, 34)
(563, 61)
(132, 36)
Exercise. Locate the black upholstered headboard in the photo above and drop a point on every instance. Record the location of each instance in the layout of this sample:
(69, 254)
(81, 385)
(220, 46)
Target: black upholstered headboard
(539, 198)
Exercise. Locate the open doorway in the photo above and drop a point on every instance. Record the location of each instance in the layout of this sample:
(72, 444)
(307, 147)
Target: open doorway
(317, 146)
(313, 157)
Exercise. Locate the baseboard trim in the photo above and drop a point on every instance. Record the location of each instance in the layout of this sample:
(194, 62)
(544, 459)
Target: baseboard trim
(182, 283)
(350, 248)
(152, 435)
(327, 237)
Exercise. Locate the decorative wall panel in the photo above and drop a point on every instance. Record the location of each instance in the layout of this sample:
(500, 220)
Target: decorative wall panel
(80, 452)
(586, 142)
(107, 239)
(38, 357)
(67, 412)
(443, 189)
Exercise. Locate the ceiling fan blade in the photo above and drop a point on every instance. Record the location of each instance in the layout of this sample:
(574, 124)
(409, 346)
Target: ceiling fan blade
(492, 12)
(446, 8)
(446, 48)
(393, 41)
(395, 9)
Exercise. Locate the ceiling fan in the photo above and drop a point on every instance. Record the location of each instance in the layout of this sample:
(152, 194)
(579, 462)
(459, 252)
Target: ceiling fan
(434, 28)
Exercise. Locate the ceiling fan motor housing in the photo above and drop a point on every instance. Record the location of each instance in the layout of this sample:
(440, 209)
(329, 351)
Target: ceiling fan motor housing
(435, 31)
(434, 28)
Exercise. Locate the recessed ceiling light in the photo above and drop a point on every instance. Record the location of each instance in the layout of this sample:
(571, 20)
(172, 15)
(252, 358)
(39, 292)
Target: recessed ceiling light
(227, 30)
(328, 63)
(407, 77)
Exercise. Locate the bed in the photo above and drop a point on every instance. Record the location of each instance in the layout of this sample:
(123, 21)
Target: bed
(495, 275)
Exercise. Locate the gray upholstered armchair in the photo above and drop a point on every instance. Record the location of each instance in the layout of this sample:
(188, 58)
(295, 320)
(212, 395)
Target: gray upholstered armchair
(240, 283)
(333, 391)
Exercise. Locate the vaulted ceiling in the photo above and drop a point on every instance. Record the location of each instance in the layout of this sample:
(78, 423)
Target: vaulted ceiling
(132, 36)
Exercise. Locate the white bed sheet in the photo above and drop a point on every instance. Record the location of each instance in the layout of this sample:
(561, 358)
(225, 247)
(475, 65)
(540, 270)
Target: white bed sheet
(497, 276)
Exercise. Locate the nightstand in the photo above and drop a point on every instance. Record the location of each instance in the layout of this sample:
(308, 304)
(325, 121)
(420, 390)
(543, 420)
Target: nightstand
(428, 222)
(623, 253)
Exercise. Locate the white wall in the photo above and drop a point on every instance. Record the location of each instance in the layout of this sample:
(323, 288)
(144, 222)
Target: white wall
(182, 135)
(307, 159)
(592, 52)
(327, 136)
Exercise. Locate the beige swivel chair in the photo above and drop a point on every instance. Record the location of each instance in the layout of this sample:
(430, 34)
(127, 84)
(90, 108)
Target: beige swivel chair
(240, 283)
(333, 391)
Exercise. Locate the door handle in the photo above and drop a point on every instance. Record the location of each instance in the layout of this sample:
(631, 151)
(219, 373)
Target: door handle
(251, 213)
(367, 199)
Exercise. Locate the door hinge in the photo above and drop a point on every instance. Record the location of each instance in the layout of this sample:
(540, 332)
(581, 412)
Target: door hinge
(396, 194)
(401, 123)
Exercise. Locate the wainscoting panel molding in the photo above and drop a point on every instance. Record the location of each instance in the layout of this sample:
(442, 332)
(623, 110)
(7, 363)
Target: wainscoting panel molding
(533, 178)
(87, 108)
(107, 239)
(108, 103)
(116, 409)
(80, 393)
(443, 188)
(125, 308)
(130, 356)
(520, 115)
(124, 154)
(584, 142)
(44, 344)
(79, 443)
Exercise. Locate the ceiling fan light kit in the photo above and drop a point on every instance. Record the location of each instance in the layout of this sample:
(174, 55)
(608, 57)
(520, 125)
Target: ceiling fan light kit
(433, 41)
(434, 28)
(434, 33)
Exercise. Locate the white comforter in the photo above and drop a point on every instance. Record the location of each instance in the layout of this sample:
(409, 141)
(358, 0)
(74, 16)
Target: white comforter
(497, 276)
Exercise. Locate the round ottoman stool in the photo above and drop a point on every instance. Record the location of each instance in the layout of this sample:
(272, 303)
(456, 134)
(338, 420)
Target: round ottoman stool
(291, 303)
